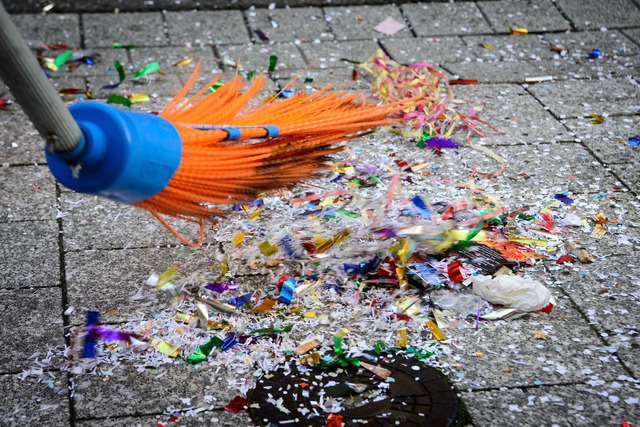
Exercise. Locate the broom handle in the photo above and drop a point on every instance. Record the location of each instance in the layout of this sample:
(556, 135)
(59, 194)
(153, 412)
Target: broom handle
(21, 72)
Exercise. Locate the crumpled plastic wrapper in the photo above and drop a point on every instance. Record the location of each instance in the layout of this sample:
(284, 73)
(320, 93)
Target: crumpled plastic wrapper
(512, 291)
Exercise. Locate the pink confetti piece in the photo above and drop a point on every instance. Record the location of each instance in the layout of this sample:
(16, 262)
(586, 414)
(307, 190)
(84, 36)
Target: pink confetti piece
(389, 26)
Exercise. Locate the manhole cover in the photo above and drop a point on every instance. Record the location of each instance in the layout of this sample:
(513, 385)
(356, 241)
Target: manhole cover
(413, 395)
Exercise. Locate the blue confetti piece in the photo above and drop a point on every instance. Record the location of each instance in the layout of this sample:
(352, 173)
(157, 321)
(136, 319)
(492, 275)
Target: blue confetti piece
(595, 54)
(286, 293)
(634, 141)
(229, 342)
(91, 339)
(563, 198)
(421, 206)
(241, 300)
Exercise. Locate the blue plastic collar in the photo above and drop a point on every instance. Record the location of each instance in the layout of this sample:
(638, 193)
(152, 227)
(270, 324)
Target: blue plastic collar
(127, 156)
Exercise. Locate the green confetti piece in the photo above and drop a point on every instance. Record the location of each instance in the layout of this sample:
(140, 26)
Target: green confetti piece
(348, 214)
(421, 144)
(117, 99)
(526, 217)
(274, 330)
(118, 66)
(61, 59)
(308, 80)
(201, 353)
(123, 46)
(250, 75)
(337, 345)
(424, 136)
(273, 61)
(373, 178)
(215, 86)
(151, 68)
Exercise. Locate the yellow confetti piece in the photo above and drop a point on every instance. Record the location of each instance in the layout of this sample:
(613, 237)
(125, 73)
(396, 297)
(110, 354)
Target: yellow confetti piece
(310, 359)
(184, 318)
(596, 119)
(599, 231)
(342, 333)
(238, 238)
(139, 97)
(519, 31)
(167, 276)
(266, 305)
(267, 248)
(539, 335)
(255, 214)
(184, 62)
(535, 242)
(224, 266)
(487, 46)
(307, 346)
(435, 330)
(165, 348)
(401, 336)
(309, 315)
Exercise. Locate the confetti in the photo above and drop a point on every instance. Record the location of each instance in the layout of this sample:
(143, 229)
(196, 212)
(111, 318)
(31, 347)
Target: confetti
(148, 69)
(273, 62)
(121, 100)
(121, 76)
(184, 62)
(389, 26)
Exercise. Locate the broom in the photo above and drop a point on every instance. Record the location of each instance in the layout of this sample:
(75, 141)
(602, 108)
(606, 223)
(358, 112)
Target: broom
(197, 153)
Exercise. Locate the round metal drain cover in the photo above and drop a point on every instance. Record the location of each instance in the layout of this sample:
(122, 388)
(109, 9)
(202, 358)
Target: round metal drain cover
(298, 395)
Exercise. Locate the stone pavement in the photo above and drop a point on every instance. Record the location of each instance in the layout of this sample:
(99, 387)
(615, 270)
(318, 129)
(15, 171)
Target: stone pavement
(65, 254)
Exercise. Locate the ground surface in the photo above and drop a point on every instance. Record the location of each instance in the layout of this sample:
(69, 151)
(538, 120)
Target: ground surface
(65, 254)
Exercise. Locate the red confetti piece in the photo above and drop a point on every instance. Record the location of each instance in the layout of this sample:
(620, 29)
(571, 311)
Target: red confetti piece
(237, 404)
(334, 420)
(565, 259)
(453, 269)
(355, 75)
(4, 103)
(463, 82)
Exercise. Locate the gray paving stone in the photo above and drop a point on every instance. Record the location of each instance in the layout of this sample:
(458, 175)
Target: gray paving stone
(577, 98)
(330, 54)
(554, 168)
(607, 293)
(26, 193)
(338, 78)
(358, 22)
(152, 390)
(38, 30)
(440, 50)
(437, 19)
(28, 402)
(29, 251)
(196, 28)
(629, 174)
(608, 140)
(201, 419)
(493, 71)
(19, 140)
(623, 233)
(568, 68)
(633, 34)
(609, 403)
(91, 222)
(509, 48)
(505, 353)
(34, 325)
(256, 57)
(612, 44)
(138, 28)
(514, 112)
(105, 281)
(306, 24)
(535, 16)
(589, 14)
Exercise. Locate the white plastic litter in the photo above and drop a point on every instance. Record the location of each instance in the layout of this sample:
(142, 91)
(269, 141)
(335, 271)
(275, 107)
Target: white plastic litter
(512, 291)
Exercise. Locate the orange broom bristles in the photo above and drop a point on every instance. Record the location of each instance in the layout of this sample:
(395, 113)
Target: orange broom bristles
(215, 169)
